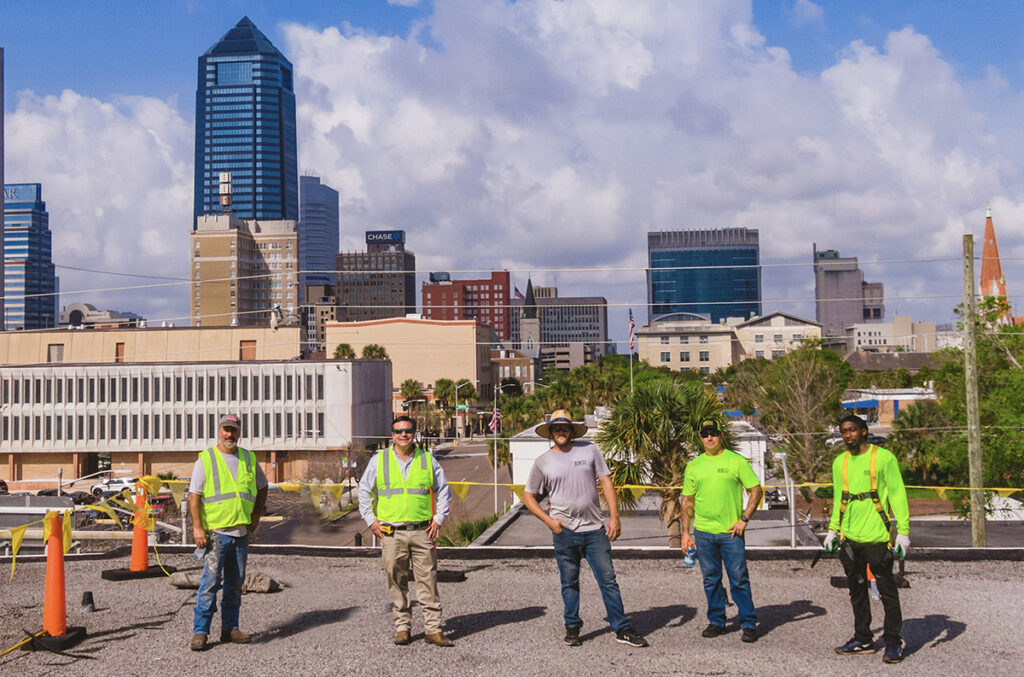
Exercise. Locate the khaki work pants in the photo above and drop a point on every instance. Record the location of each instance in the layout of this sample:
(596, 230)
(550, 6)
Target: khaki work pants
(397, 551)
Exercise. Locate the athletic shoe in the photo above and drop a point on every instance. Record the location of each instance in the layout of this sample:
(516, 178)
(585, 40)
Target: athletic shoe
(713, 631)
(893, 653)
(572, 637)
(749, 635)
(629, 636)
(855, 646)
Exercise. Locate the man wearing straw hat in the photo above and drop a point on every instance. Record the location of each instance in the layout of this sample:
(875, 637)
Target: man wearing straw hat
(226, 499)
(566, 474)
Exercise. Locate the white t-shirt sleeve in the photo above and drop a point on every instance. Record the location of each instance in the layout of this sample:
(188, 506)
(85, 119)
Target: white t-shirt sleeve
(198, 482)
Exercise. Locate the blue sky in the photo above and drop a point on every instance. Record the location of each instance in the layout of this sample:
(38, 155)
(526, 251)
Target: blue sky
(484, 127)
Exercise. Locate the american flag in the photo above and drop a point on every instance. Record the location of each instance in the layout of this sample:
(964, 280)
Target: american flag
(495, 421)
(518, 294)
(632, 331)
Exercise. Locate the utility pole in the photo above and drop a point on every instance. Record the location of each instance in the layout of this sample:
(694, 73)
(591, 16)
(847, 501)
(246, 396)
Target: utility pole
(971, 377)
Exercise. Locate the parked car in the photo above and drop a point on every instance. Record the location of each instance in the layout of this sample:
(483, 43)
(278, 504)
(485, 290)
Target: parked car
(163, 504)
(113, 485)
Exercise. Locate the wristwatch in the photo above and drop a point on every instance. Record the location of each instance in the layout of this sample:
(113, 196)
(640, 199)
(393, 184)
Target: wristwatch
(744, 518)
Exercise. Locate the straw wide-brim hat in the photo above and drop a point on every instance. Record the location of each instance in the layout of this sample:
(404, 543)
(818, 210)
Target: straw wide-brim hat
(561, 416)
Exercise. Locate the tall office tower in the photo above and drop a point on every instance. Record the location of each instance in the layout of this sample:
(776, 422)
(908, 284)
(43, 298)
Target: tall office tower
(1, 169)
(245, 126)
(318, 231)
(991, 281)
(715, 272)
(841, 296)
(242, 270)
(29, 283)
(484, 299)
(565, 320)
(367, 289)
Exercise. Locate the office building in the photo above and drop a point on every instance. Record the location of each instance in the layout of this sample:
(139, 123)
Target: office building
(841, 296)
(903, 334)
(245, 128)
(319, 307)
(318, 231)
(242, 270)
(29, 282)
(714, 272)
(378, 283)
(485, 299)
(566, 320)
(81, 315)
(1, 169)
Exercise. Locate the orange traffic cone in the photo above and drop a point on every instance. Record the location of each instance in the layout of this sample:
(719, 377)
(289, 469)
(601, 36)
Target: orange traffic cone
(57, 635)
(139, 564)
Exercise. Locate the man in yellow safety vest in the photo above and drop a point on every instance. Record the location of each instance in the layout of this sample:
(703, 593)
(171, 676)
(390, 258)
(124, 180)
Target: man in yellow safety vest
(395, 501)
(866, 484)
(226, 499)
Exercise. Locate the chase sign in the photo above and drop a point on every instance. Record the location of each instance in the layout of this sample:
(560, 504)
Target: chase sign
(385, 237)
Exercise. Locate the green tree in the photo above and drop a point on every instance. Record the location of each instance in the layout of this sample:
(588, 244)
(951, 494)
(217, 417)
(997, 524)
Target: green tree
(466, 391)
(444, 393)
(917, 437)
(343, 351)
(652, 434)
(511, 386)
(410, 389)
(372, 351)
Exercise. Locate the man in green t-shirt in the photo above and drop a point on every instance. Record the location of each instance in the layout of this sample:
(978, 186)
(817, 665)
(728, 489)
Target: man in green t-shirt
(713, 499)
(866, 484)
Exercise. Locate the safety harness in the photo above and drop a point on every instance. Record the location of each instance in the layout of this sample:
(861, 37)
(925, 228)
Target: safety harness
(863, 496)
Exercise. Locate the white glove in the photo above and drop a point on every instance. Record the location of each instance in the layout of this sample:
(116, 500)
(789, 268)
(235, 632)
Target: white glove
(831, 541)
(902, 545)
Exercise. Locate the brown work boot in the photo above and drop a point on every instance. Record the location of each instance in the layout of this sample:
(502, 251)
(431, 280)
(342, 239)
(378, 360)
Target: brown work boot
(235, 636)
(402, 637)
(198, 642)
(437, 639)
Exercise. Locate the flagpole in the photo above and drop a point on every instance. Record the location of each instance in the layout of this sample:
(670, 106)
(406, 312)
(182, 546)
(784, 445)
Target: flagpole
(494, 426)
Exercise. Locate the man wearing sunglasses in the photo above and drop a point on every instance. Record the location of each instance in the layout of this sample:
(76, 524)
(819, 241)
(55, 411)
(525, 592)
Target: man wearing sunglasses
(395, 501)
(568, 474)
(713, 500)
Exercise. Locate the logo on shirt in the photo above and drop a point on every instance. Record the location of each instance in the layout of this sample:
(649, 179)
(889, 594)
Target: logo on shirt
(723, 470)
(580, 462)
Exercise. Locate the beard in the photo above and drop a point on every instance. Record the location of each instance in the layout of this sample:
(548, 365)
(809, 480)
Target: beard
(230, 444)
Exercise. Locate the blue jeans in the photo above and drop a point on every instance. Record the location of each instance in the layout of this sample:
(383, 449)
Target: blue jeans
(224, 560)
(714, 550)
(570, 549)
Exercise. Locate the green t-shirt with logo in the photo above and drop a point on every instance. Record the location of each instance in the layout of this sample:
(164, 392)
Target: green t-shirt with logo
(861, 521)
(717, 483)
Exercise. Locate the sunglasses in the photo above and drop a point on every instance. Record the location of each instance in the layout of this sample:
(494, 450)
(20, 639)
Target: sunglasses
(708, 432)
(561, 429)
(403, 431)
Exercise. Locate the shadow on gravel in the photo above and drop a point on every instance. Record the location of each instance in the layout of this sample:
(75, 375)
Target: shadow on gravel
(659, 617)
(467, 624)
(302, 622)
(96, 640)
(772, 616)
(935, 628)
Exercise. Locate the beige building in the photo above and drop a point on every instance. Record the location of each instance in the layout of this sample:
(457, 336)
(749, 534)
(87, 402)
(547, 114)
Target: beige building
(902, 334)
(425, 350)
(772, 336)
(241, 269)
(149, 344)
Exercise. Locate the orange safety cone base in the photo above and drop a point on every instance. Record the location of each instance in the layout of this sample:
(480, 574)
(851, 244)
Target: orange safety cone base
(70, 638)
(129, 575)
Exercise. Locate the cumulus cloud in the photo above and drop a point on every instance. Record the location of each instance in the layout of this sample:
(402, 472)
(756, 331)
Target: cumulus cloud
(807, 13)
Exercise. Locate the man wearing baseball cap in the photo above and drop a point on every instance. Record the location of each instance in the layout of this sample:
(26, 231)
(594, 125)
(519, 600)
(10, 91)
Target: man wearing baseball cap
(566, 474)
(713, 500)
(226, 499)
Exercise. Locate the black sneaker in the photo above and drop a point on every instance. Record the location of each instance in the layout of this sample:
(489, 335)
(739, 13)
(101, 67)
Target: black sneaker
(572, 637)
(631, 637)
(749, 635)
(893, 653)
(713, 631)
(855, 646)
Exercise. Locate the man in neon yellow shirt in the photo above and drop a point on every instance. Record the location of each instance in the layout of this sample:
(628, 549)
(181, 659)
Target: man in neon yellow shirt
(713, 498)
(866, 484)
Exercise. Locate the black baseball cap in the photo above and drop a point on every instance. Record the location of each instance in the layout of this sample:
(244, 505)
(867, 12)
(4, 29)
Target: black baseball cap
(709, 426)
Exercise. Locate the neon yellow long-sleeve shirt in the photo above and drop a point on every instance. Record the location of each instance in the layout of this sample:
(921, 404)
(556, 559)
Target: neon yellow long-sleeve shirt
(861, 521)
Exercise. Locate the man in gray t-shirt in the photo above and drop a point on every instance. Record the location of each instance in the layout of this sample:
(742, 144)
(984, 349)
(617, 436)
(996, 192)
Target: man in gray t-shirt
(567, 475)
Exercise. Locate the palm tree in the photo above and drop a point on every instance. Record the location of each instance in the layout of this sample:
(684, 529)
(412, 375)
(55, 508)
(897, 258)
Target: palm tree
(373, 351)
(411, 389)
(444, 393)
(652, 434)
(343, 351)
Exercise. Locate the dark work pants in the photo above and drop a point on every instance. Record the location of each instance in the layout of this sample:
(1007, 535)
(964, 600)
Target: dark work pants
(856, 557)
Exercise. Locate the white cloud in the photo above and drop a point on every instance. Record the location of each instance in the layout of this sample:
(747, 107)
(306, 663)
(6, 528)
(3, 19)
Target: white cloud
(807, 13)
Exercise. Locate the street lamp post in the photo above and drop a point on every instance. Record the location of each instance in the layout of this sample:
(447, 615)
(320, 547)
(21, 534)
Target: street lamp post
(781, 455)
(457, 386)
(497, 389)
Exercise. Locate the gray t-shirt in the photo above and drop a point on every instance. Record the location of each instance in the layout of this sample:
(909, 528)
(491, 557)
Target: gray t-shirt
(198, 483)
(568, 479)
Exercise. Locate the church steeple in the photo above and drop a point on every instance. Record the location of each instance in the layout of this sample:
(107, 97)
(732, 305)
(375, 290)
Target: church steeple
(992, 282)
(529, 303)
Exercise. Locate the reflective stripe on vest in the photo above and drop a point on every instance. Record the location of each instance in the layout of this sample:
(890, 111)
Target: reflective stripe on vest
(227, 502)
(873, 494)
(404, 499)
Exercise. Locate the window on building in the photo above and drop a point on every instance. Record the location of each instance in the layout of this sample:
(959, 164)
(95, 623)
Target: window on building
(118, 353)
(666, 357)
(704, 371)
(703, 339)
(255, 426)
(777, 338)
(664, 340)
(759, 354)
(55, 352)
(758, 338)
(777, 354)
(684, 357)
(705, 356)
(247, 350)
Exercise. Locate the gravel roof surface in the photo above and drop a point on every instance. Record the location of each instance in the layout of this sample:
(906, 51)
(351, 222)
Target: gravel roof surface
(505, 618)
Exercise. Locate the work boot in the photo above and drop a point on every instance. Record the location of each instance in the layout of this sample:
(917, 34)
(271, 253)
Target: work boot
(198, 642)
(402, 637)
(234, 636)
(437, 639)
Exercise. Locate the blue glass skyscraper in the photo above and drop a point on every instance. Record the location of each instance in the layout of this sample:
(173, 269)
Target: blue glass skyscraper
(714, 272)
(318, 231)
(245, 125)
(30, 285)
